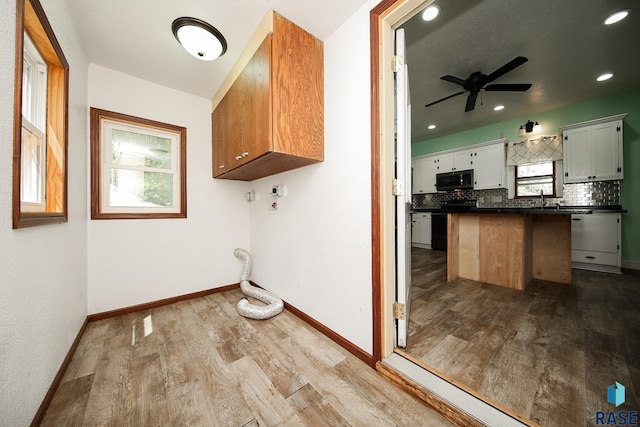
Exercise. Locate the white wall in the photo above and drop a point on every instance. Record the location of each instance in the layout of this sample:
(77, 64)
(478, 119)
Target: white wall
(138, 261)
(43, 271)
(315, 250)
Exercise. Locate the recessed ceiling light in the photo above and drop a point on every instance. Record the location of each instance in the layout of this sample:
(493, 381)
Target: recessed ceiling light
(431, 12)
(498, 107)
(604, 77)
(431, 127)
(616, 17)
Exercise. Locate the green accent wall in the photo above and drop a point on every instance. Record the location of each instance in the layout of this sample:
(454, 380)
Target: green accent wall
(551, 121)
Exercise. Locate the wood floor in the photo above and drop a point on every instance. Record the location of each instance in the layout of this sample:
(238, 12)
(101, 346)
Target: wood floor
(199, 363)
(548, 353)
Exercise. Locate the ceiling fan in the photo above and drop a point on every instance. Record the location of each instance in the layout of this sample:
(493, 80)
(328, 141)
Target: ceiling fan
(477, 81)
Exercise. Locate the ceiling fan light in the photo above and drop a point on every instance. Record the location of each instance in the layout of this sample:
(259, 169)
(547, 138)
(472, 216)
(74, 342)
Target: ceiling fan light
(199, 38)
(616, 17)
(431, 12)
(605, 76)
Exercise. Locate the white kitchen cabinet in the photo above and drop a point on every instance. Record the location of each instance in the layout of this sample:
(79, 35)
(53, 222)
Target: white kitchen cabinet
(593, 150)
(454, 161)
(595, 242)
(421, 234)
(489, 167)
(424, 175)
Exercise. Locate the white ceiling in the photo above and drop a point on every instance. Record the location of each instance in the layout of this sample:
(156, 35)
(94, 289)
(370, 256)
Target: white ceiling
(135, 37)
(565, 41)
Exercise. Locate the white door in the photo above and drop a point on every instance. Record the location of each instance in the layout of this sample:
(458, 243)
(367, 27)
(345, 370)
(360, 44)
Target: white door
(403, 190)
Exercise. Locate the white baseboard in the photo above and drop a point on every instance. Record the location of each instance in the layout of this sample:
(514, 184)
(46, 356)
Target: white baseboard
(630, 264)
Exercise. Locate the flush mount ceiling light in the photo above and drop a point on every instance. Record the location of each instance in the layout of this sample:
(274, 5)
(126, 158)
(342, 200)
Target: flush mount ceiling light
(605, 76)
(431, 12)
(616, 17)
(431, 127)
(498, 108)
(199, 38)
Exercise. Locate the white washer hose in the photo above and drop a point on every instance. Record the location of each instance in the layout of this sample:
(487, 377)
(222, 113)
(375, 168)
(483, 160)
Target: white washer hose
(245, 308)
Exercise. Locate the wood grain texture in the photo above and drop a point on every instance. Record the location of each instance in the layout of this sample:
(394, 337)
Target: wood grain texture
(297, 82)
(501, 250)
(272, 117)
(202, 364)
(552, 248)
(523, 349)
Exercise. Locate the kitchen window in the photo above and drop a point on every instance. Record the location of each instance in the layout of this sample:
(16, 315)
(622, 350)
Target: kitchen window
(536, 177)
(138, 167)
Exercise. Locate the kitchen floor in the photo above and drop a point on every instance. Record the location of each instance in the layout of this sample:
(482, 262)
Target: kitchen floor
(548, 353)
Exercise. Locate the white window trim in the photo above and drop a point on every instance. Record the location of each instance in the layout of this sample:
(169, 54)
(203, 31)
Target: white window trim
(34, 119)
(107, 126)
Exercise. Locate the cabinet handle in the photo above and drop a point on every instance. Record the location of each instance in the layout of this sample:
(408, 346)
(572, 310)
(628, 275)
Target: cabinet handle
(576, 219)
(238, 157)
(590, 257)
(245, 154)
(221, 167)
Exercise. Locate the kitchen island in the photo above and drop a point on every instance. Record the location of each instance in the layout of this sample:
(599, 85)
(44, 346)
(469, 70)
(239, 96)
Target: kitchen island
(509, 249)
(511, 246)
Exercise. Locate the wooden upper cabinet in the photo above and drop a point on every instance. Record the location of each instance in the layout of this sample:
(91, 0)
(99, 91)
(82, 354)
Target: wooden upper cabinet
(271, 119)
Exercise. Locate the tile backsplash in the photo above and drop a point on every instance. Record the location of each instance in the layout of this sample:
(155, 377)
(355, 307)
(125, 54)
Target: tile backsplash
(601, 193)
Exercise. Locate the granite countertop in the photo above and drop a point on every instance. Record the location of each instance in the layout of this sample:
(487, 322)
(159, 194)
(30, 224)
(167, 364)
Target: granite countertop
(547, 210)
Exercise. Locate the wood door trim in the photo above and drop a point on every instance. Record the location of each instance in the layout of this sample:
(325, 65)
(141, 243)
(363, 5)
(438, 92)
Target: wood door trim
(464, 388)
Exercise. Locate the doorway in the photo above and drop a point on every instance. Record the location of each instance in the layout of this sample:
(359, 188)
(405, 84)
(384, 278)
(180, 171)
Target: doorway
(531, 327)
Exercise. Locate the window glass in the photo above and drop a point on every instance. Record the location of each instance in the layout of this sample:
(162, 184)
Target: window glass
(140, 171)
(533, 178)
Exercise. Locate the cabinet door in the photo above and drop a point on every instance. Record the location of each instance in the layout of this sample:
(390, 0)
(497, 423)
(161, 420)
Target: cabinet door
(489, 167)
(422, 229)
(605, 147)
(463, 160)
(596, 232)
(225, 142)
(429, 174)
(253, 84)
(577, 155)
(445, 163)
(418, 179)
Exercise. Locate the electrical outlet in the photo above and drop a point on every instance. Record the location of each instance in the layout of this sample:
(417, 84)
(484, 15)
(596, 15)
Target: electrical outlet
(272, 204)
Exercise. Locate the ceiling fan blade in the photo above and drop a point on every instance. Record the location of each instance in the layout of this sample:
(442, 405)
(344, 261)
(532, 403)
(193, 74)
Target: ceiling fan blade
(444, 99)
(453, 79)
(471, 102)
(514, 63)
(509, 87)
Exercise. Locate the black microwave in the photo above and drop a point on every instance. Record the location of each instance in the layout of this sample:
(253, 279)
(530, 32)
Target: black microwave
(458, 180)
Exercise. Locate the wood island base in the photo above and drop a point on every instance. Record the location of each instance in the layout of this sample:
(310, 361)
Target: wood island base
(509, 249)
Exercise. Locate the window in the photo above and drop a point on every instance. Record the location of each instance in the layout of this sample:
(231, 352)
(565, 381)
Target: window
(40, 121)
(34, 108)
(531, 179)
(138, 167)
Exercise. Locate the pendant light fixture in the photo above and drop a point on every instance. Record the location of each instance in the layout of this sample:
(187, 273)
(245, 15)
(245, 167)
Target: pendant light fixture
(199, 38)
